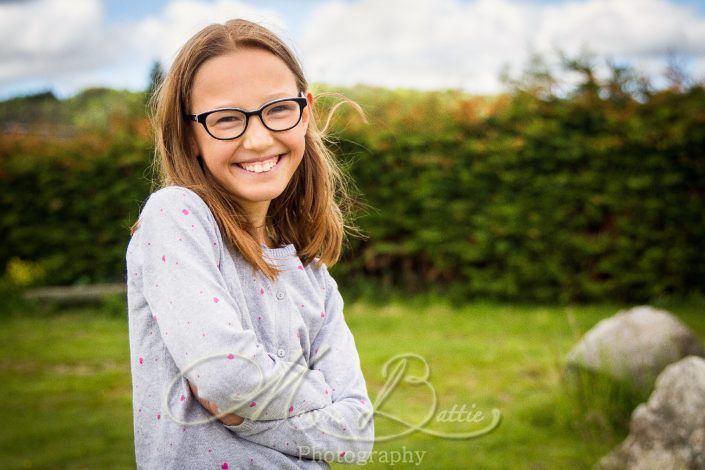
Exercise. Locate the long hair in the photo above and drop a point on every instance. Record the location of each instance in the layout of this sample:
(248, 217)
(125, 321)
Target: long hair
(313, 210)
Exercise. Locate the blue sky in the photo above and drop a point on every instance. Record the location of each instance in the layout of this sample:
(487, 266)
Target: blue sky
(119, 10)
(68, 45)
(127, 10)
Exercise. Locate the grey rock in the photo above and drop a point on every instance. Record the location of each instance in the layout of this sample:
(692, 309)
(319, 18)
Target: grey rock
(668, 431)
(634, 346)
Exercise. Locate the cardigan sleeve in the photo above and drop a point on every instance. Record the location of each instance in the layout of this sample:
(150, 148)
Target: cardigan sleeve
(199, 320)
(342, 431)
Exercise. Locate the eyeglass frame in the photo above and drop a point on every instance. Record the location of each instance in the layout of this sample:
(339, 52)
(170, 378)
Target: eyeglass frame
(201, 117)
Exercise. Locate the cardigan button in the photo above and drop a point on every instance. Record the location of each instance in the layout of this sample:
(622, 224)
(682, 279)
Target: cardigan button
(280, 295)
(281, 353)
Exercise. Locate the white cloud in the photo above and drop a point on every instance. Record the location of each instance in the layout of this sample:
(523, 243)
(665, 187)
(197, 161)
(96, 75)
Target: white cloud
(70, 44)
(162, 35)
(629, 27)
(450, 43)
(422, 44)
(51, 37)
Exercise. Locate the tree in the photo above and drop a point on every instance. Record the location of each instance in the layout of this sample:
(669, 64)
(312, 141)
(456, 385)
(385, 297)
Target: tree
(156, 75)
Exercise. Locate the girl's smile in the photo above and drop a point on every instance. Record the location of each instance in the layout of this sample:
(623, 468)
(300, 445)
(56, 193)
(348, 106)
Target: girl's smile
(261, 166)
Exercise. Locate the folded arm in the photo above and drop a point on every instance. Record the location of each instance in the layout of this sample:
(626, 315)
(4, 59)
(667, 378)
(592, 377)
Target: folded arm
(342, 431)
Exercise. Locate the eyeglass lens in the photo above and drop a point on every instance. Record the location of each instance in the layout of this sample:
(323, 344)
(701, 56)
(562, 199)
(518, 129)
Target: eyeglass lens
(278, 116)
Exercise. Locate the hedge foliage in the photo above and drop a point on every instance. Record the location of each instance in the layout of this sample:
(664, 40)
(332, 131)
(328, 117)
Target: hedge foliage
(73, 179)
(595, 193)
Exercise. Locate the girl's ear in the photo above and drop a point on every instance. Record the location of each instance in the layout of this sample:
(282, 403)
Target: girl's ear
(307, 110)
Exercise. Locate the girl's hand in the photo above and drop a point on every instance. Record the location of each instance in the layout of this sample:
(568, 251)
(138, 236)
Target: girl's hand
(231, 419)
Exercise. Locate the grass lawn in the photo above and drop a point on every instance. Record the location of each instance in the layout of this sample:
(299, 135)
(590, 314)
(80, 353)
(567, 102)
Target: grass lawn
(67, 389)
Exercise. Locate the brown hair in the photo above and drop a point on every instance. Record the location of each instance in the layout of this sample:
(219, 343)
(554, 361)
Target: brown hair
(307, 213)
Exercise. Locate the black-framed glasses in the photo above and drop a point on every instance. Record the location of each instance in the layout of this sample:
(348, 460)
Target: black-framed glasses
(230, 123)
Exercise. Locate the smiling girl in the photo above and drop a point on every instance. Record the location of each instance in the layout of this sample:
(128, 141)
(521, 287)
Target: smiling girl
(241, 356)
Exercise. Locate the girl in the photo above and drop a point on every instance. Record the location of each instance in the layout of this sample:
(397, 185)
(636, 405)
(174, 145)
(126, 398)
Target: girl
(241, 356)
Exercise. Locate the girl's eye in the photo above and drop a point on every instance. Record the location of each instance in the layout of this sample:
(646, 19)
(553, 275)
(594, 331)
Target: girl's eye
(228, 119)
(280, 108)
(225, 119)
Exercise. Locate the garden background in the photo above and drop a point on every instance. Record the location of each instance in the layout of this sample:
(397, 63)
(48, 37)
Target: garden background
(498, 230)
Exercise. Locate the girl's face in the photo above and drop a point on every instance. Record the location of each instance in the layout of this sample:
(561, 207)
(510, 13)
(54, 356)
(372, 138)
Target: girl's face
(246, 79)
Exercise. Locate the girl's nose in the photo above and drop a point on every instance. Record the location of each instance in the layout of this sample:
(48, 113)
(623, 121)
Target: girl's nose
(256, 136)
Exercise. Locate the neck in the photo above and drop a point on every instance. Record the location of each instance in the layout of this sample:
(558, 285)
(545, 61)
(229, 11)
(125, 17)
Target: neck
(262, 236)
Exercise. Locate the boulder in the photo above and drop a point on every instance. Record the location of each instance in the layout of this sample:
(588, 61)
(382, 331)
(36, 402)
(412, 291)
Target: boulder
(634, 346)
(668, 431)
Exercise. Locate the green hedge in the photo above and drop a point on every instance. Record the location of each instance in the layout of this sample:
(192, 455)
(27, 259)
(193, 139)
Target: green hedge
(71, 186)
(598, 194)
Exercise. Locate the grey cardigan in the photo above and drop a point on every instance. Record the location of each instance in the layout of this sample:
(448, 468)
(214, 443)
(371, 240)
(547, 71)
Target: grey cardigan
(279, 354)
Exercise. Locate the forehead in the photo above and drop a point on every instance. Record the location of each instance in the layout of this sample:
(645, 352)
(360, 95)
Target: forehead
(245, 78)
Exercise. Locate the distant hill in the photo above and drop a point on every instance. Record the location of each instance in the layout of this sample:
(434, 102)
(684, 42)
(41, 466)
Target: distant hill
(90, 109)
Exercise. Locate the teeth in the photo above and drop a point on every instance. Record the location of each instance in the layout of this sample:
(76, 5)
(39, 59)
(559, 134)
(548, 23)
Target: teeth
(260, 167)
